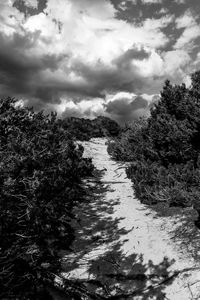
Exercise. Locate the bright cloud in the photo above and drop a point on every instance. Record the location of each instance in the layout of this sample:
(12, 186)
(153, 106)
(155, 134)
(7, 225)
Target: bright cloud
(82, 109)
(191, 31)
(151, 1)
(31, 3)
(80, 51)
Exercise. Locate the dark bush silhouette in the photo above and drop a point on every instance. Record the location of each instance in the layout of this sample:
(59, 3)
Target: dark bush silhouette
(41, 171)
(85, 129)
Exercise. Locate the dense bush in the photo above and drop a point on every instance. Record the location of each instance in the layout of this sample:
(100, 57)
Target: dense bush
(165, 150)
(123, 147)
(85, 129)
(41, 171)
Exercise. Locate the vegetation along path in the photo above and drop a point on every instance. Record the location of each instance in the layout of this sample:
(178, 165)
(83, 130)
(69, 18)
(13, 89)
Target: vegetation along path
(126, 250)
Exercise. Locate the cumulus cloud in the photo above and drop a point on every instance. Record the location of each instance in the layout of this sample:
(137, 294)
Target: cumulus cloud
(122, 107)
(125, 107)
(79, 50)
(43, 61)
(175, 62)
(21, 72)
(191, 31)
(82, 109)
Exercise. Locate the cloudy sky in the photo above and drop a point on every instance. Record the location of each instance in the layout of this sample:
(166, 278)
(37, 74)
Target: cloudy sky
(96, 57)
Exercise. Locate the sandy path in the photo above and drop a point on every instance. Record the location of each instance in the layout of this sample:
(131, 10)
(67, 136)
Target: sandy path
(117, 229)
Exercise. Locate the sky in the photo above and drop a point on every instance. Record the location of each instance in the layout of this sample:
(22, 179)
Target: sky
(86, 58)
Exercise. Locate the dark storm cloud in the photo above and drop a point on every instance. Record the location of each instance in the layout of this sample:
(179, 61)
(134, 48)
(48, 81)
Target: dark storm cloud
(120, 75)
(16, 70)
(124, 109)
(102, 78)
(125, 59)
(19, 72)
(22, 73)
(51, 91)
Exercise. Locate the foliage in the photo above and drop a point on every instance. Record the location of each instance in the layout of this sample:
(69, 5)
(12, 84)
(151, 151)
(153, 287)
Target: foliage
(123, 147)
(41, 171)
(165, 150)
(174, 125)
(85, 129)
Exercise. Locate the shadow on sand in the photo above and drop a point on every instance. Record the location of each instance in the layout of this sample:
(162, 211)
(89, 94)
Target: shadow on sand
(98, 266)
(183, 231)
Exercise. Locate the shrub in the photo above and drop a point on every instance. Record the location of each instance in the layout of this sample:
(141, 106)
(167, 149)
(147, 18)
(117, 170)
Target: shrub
(41, 171)
(85, 129)
(126, 145)
(165, 150)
